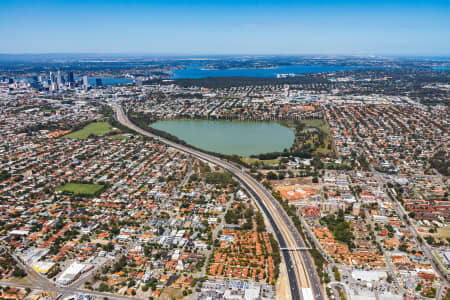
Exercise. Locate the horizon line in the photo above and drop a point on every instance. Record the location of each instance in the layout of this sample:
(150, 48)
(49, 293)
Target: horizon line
(365, 55)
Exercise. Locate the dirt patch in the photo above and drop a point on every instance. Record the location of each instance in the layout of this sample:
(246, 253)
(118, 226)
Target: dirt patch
(443, 233)
(282, 289)
(171, 293)
(292, 181)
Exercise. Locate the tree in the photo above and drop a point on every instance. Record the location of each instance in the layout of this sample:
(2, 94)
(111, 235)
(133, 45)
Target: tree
(19, 273)
(115, 230)
(340, 228)
(260, 226)
(84, 238)
(271, 176)
(389, 278)
(103, 287)
(337, 275)
(403, 247)
(108, 247)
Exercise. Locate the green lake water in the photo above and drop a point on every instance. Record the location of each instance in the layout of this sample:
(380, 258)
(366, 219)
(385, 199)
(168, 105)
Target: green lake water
(230, 137)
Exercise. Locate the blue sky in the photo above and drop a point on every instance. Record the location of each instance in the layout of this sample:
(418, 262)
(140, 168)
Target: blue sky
(226, 27)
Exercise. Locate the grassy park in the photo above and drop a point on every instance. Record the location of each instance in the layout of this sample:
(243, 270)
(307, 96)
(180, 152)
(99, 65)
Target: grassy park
(267, 162)
(96, 128)
(81, 188)
(311, 135)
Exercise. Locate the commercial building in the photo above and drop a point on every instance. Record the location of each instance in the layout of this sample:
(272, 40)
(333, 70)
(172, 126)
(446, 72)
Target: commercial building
(72, 273)
(85, 82)
(43, 266)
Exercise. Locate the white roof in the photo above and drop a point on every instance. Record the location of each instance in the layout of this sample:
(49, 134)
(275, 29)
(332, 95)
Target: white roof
(251, 294)
(368, 275)
(19, 232)
(43, 266)
(307, 294)
(362, 297)
(71, 272)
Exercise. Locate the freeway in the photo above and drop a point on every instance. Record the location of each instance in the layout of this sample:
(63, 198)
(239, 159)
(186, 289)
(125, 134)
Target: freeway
(300, 267)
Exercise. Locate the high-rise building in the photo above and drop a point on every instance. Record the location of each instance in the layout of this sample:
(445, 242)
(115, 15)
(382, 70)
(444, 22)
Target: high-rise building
(70, 78)
(59, 82)
(98, 82)
(85, 82)
(52, 77)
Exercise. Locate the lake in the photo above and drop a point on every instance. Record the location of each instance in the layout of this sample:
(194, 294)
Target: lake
(230, 137)
(198, 71)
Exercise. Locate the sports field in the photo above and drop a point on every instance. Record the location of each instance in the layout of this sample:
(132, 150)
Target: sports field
(80, 188)
(96, 128)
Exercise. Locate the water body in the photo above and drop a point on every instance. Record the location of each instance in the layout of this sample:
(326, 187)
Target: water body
(198, 71)
(441, 68)
(107, 80)
(230, 137)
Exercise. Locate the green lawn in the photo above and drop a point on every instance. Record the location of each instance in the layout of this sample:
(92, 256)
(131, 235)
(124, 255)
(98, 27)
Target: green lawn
(80, 188)
(120, 137)
(96, 128)
(266, 162)
(50, 110)
(319, 124)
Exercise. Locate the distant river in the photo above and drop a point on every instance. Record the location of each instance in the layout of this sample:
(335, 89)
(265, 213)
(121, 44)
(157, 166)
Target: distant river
(441, 68)
(107, 80)
(198, 71)
(230, 137)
